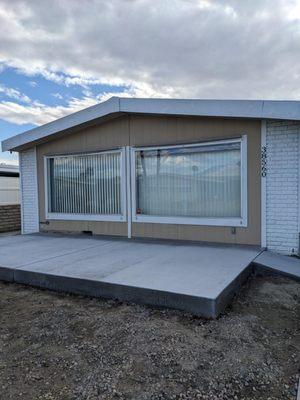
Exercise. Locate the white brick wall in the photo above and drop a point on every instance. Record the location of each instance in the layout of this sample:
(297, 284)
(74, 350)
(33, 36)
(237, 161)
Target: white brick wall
(282, 186)
(29, 191)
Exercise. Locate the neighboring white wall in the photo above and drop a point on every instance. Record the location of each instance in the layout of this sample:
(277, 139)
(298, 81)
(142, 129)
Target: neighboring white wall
(282, 186)
(9, 190)
(29, 191)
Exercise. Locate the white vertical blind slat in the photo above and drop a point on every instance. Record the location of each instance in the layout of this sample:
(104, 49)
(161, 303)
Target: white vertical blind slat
(87, 184)
(190, 183)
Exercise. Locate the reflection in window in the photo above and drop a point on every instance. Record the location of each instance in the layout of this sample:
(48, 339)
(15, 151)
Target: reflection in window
(85, 184)
(203, 181)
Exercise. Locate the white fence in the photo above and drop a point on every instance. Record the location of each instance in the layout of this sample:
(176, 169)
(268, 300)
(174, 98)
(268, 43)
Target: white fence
(9, 190)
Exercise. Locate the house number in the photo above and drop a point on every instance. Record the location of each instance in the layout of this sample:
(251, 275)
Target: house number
(264, 161)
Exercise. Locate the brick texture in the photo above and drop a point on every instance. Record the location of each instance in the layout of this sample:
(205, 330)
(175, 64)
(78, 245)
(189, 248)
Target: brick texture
(29, 195)
(282, 210)
(10, 218)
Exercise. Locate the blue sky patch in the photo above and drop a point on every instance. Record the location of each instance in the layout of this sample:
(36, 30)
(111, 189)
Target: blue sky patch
(35, 95)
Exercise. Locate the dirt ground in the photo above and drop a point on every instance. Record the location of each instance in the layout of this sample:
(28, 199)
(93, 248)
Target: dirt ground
(56, 346)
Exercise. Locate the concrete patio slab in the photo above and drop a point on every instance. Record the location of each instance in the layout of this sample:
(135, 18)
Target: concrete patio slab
(21, 250)
(269, 262)
(194, 278)
(201, 271)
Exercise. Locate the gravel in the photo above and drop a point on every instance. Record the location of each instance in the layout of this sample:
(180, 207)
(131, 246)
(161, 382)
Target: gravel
(57, 346)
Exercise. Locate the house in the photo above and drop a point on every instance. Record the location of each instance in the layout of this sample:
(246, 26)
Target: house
(223, 171)
(9, 184)
(9, 198)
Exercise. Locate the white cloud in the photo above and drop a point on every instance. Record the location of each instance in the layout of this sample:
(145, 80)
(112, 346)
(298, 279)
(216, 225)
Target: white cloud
(12, 159)
(57, 96)
(37, 113)
(14, 94)
(182, 48)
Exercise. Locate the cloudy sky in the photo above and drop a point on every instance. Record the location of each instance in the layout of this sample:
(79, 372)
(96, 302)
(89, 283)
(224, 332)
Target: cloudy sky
(61, 56)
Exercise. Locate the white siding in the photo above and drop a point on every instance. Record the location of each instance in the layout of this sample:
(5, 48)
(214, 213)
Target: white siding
(282, 186)
(29, 191)
(9, 190)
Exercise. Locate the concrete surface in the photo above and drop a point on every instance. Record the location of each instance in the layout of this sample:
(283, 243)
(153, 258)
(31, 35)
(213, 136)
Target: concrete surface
(269, 262)
(195, 278)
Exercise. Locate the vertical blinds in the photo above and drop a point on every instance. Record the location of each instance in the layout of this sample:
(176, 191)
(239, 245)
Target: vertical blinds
(202, 181)
(87, 184)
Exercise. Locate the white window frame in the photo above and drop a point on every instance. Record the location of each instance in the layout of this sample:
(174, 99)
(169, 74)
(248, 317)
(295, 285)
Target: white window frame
(233, 222)
(87, 217)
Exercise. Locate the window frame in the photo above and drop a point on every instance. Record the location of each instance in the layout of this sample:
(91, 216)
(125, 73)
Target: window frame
(205, 221)
(87, 217)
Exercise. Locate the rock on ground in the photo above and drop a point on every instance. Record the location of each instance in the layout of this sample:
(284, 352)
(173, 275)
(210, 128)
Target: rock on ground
(57, 346)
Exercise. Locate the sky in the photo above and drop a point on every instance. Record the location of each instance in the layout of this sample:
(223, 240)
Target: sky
(60, 59)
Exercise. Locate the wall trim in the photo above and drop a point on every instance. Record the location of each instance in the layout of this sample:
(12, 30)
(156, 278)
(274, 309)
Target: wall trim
(29, 191)
(263, 183)
(37, 188)
(299, 194)
(21, 194)
(128, 193)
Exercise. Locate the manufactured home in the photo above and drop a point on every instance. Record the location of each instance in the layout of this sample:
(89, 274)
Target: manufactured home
(9, 184)
(10, 218)
(221, 171)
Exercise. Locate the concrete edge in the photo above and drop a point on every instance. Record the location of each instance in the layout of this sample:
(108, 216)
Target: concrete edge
(6, 274)
(224, 298)
(199, 306)
(264, 270)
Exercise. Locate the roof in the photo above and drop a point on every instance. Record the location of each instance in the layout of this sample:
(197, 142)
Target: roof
(259, 109)
(9, 170)
(9, 167)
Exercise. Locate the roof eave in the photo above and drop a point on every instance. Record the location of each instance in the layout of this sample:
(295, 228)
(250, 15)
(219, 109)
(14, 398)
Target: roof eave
(257, 109)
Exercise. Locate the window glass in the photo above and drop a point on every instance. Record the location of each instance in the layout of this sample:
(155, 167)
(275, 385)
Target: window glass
(200, 181)
(87, 184)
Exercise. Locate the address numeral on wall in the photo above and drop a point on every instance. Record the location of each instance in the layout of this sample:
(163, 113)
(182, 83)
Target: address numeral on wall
(264, 161)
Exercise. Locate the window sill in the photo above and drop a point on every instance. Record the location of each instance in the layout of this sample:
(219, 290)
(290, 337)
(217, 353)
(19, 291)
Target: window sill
(85, 217)
(233, 222)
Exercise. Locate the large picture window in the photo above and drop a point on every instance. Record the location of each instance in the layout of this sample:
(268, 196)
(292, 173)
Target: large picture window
(88, 186)
(194, 184)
